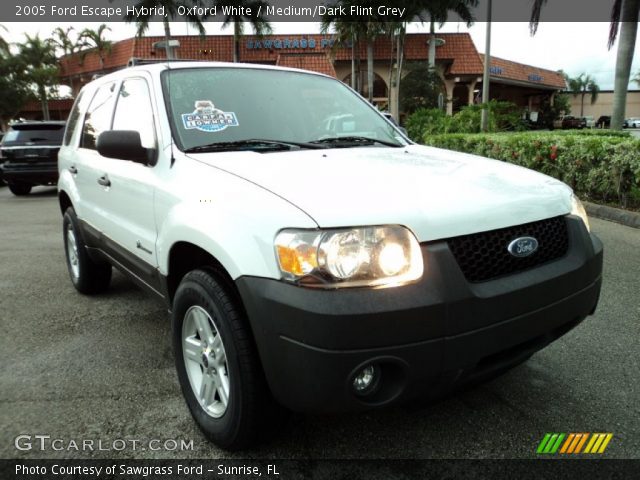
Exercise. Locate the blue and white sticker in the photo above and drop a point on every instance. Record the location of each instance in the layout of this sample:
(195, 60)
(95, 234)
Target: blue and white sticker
(207, 118)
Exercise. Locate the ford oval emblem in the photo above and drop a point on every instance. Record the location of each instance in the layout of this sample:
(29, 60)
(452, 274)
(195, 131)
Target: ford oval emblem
(523, 246)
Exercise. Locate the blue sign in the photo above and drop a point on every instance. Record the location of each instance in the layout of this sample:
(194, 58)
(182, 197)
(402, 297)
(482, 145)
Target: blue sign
(534, 77)
(495, 70)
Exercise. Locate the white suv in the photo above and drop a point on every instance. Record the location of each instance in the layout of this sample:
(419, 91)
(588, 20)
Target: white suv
(310, 263)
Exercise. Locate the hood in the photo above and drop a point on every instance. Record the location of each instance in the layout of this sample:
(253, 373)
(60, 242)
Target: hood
(436, 193)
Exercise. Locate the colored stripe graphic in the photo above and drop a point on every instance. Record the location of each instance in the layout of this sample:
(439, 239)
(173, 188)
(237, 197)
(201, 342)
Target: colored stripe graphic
(573, 443)
(550, 443)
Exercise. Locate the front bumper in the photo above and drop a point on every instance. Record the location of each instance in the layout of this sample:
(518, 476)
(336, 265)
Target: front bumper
(426, 337)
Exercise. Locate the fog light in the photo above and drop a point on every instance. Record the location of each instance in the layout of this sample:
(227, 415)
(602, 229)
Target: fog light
(366, 380)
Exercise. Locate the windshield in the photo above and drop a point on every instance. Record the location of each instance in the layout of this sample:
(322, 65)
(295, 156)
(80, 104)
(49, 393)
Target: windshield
(222, 105)
(34, 134)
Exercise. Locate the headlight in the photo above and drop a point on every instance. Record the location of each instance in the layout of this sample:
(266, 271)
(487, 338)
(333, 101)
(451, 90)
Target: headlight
(354, 257)
(578, 209)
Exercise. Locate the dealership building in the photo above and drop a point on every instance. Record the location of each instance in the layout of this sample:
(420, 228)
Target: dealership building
(458, 62)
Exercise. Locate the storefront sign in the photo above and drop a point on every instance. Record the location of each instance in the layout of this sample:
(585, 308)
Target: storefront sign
(291, 43)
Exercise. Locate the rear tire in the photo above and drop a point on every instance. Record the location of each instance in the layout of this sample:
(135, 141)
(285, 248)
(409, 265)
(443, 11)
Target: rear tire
(86, 275)
(20, 189)
(217, 363)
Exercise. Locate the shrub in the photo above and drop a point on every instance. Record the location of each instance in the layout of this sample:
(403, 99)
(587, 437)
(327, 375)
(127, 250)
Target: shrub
(503, 116)
(599, 166)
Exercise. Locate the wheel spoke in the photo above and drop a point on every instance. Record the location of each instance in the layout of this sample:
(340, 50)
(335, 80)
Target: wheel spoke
(207, 390)
(223, 390)
(193, 349)
(203, 325)
(218, 349)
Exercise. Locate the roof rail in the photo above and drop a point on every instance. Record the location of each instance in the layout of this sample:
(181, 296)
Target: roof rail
(134, 61)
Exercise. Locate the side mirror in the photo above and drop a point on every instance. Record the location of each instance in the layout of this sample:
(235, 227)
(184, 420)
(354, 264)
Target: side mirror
(123, 145)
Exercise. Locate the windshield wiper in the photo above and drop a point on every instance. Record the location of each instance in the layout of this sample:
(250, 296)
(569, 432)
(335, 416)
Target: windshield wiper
(254, 144)
(354, 142)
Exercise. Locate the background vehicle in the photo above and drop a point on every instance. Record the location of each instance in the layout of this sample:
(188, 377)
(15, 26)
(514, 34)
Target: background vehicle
(573, 122)
(311, 256)
(589, 121)
(29, 152)
(633, 122)
(604, 121)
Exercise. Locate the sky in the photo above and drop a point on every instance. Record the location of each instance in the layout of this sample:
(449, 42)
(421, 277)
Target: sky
(573, 47)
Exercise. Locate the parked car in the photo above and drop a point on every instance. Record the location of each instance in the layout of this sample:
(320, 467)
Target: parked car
(570, 121)
(311, 256)
(604, 121)
(633, 122)
(29, 155)
(589, 121)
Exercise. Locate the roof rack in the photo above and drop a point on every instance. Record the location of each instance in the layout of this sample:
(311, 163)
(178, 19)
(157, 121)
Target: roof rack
(134, 61)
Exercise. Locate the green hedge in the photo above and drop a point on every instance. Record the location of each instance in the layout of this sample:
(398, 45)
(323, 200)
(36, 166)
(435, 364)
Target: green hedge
(599, 166)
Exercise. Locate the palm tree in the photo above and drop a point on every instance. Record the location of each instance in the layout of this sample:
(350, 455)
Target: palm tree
(624, 17)
(61, 40)
(95, 40)
(171, 9)
(438, 11)
(345, 33)
(581, 85)
(41, 67)
(4, 45)
(345, 26)
(259, 24)
(624, 12)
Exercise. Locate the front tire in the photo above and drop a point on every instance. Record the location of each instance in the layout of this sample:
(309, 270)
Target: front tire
(217, 363)
(20, 189)
(86, 275)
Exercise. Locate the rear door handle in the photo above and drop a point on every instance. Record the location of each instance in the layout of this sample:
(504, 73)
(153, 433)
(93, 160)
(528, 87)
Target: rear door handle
(73, 169)
(104, 181)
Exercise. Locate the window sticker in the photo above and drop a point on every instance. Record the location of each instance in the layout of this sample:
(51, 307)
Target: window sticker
(207, 118)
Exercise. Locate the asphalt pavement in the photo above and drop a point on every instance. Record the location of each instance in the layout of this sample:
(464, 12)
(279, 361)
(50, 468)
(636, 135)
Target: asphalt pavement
(101, 368)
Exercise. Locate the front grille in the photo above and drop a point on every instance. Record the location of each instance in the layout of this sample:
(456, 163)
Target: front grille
(484, 256)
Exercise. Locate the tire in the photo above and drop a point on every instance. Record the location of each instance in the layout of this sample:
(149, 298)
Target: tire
(20, 189)
(217, 363)
(87, 276)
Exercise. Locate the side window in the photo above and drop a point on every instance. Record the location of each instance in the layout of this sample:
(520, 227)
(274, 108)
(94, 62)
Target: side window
(98, 117)
(134, 111)
(79, 106)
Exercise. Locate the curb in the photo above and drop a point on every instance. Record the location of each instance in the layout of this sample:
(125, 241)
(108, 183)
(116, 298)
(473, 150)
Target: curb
(625, 217)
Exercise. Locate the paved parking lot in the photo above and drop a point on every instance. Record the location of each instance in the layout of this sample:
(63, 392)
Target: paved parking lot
(77, 367)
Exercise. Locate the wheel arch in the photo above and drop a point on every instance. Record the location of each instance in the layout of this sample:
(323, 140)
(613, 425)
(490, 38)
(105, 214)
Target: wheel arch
(64, 201)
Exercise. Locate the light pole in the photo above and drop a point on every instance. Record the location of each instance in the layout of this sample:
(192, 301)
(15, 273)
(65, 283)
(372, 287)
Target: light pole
(484, 119)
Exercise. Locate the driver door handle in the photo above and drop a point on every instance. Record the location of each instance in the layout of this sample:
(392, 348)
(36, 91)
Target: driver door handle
(104, 181)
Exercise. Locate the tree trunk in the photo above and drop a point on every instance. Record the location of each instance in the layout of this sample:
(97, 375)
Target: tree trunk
(432, 45)
(354, 84)
(626, 45)
(236, 42)
(167, 39)
(582, 105)
(370, 70)
(44, 102)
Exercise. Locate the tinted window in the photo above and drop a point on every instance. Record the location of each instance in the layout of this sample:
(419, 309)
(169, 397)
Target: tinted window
(41, 134)
(134, 112)
(78, 107)
(227, 104)
(98, 117)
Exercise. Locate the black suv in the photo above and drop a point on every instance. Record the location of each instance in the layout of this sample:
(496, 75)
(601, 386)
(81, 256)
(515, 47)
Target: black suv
(29, 155)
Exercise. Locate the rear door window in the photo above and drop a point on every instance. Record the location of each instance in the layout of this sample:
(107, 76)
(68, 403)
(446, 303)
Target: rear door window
(30, 134)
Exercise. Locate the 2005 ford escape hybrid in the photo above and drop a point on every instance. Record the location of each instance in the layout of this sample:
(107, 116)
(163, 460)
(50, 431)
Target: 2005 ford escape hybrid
(311, 256)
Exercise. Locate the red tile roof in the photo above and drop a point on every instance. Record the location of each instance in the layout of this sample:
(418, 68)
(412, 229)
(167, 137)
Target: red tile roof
(316, 62)
(510, 70)
(63, 104)
(457, 53)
